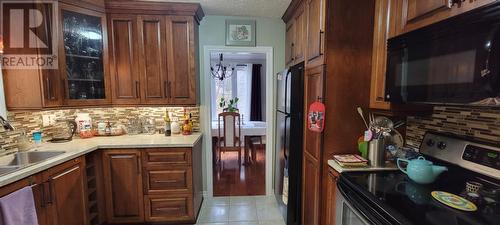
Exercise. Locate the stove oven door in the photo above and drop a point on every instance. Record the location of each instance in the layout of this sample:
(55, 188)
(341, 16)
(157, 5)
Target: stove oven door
(347, 214)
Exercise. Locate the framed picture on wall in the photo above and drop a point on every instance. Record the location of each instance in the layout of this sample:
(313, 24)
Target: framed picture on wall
(240, 33)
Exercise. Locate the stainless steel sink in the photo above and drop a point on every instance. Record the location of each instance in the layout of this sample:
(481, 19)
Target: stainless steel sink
(22, 159)
(8, 169)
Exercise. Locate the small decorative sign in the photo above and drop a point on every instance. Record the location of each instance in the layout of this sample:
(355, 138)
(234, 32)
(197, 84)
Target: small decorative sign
(240, 33)
(316, 117)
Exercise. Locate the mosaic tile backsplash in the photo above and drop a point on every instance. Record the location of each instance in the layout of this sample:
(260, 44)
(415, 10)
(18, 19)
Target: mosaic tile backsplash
(481, 123)
(30, 121)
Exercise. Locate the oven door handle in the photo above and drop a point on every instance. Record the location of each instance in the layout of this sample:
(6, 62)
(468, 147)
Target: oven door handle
(364, 210)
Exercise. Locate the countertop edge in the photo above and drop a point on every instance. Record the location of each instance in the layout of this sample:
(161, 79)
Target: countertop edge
(67, 156)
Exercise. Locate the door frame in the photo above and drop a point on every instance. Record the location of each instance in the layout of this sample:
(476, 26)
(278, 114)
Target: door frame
(206, 111)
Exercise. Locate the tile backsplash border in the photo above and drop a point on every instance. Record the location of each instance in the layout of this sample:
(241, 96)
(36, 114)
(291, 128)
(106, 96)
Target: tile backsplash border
(476, 122)
(30, 121)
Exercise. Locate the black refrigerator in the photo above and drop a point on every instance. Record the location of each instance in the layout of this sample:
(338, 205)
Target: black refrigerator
(288, 155)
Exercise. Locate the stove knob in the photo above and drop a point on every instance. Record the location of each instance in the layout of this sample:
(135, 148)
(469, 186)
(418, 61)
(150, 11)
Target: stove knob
(430, 142)
(441, 145)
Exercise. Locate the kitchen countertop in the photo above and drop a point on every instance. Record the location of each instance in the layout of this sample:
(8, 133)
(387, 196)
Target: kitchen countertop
(340, 169)
(79, 147)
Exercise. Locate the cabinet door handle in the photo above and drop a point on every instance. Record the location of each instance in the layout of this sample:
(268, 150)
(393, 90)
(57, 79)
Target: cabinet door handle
(50, 200)
(380, 98)
(169, 89)
(42, 192)
(321, 33)
(137, 93)
(47, 80)
(138, 165)
(165, 87)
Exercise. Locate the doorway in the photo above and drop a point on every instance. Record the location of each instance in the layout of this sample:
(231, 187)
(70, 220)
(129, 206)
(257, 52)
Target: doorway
(247, 170)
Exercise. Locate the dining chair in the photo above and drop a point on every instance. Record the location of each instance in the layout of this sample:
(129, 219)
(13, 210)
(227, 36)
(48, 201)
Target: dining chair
(229, 133)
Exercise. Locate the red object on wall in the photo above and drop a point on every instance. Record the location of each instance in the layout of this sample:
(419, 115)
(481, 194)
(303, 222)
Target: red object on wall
(316, 117)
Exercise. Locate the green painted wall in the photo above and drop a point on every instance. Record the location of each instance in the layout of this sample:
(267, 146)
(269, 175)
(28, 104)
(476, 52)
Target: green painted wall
(270, 33)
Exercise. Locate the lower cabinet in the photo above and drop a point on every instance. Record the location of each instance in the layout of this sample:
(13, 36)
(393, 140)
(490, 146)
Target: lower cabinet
(59, 193)
(123, 186)
(152, 185)
(66, 198)
(331, 185)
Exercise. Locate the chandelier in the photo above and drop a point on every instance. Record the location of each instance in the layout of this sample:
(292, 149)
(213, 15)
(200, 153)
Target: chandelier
(221, 71)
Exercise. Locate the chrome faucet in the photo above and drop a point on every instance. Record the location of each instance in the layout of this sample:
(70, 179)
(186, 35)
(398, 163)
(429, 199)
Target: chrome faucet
(6, 125)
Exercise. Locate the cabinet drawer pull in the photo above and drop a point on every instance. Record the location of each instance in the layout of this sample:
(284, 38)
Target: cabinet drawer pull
(380, 99)
(66, 172)
(168, 209)
(166, 181)
(122, 156)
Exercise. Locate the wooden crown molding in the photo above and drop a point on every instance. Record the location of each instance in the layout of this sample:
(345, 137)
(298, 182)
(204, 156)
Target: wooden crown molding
(291, 10)
(155, 7)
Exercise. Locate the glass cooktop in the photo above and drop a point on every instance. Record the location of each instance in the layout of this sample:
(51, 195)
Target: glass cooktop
(397, 195)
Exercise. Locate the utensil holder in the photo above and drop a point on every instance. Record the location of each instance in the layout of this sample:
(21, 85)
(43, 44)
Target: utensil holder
(376, 152)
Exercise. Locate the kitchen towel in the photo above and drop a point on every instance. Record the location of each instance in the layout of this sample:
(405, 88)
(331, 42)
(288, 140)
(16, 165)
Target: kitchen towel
(18, 208)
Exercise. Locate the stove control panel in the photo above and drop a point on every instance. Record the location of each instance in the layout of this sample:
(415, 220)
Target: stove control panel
(483, 156)
(464, 152)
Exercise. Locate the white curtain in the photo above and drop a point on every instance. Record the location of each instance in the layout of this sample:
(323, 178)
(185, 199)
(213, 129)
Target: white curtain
(244, 90)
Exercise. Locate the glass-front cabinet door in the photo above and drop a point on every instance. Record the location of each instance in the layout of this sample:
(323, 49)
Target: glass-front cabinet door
(84, 57)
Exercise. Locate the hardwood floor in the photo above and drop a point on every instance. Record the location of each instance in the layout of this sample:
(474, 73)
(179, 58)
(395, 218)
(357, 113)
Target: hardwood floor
(233, 180)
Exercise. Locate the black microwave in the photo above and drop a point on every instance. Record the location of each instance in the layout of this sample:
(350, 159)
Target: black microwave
(455, 61)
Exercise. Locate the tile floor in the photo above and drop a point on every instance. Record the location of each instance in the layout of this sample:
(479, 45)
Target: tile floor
(248, 210)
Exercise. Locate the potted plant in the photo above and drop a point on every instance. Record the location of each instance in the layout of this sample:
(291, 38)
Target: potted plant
(231, 105)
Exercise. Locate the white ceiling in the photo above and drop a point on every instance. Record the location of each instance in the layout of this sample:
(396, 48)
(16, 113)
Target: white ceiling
(253, 8)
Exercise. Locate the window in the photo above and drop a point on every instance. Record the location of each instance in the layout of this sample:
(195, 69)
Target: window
(238, 85)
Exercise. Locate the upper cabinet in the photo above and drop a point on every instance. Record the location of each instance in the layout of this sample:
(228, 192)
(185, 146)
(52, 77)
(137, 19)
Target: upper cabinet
(295, 36)
(84, 59)
(315, 31)
(112, 52)
(414, 14)
(154, 52)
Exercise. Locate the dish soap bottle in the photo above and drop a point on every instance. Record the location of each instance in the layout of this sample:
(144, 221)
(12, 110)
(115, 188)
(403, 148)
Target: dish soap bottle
(168, 128)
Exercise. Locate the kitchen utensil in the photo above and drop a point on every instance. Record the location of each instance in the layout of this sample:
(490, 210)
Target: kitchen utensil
(472, 186)
(420, 170)
(360, 111)
(376, 152)
(454, 201)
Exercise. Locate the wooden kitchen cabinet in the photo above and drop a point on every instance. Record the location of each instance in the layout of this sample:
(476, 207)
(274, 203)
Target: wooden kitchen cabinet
(154, 52)
(66, 193)
(153, 66)
(289, 44)
(182, 77)
(414, 14)
(315, 10)
(314, 83)
(295, 38)
(124, 66)
(36, 182)
(311, 190)
(59, 193)
(123, 186)
(331, 194)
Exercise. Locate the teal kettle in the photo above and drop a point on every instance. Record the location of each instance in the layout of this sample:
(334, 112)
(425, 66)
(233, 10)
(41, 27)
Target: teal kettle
(420, 170)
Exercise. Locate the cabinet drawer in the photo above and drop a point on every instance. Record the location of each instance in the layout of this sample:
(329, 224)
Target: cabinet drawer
(169, 180)
(167, 156)
(169, 208)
